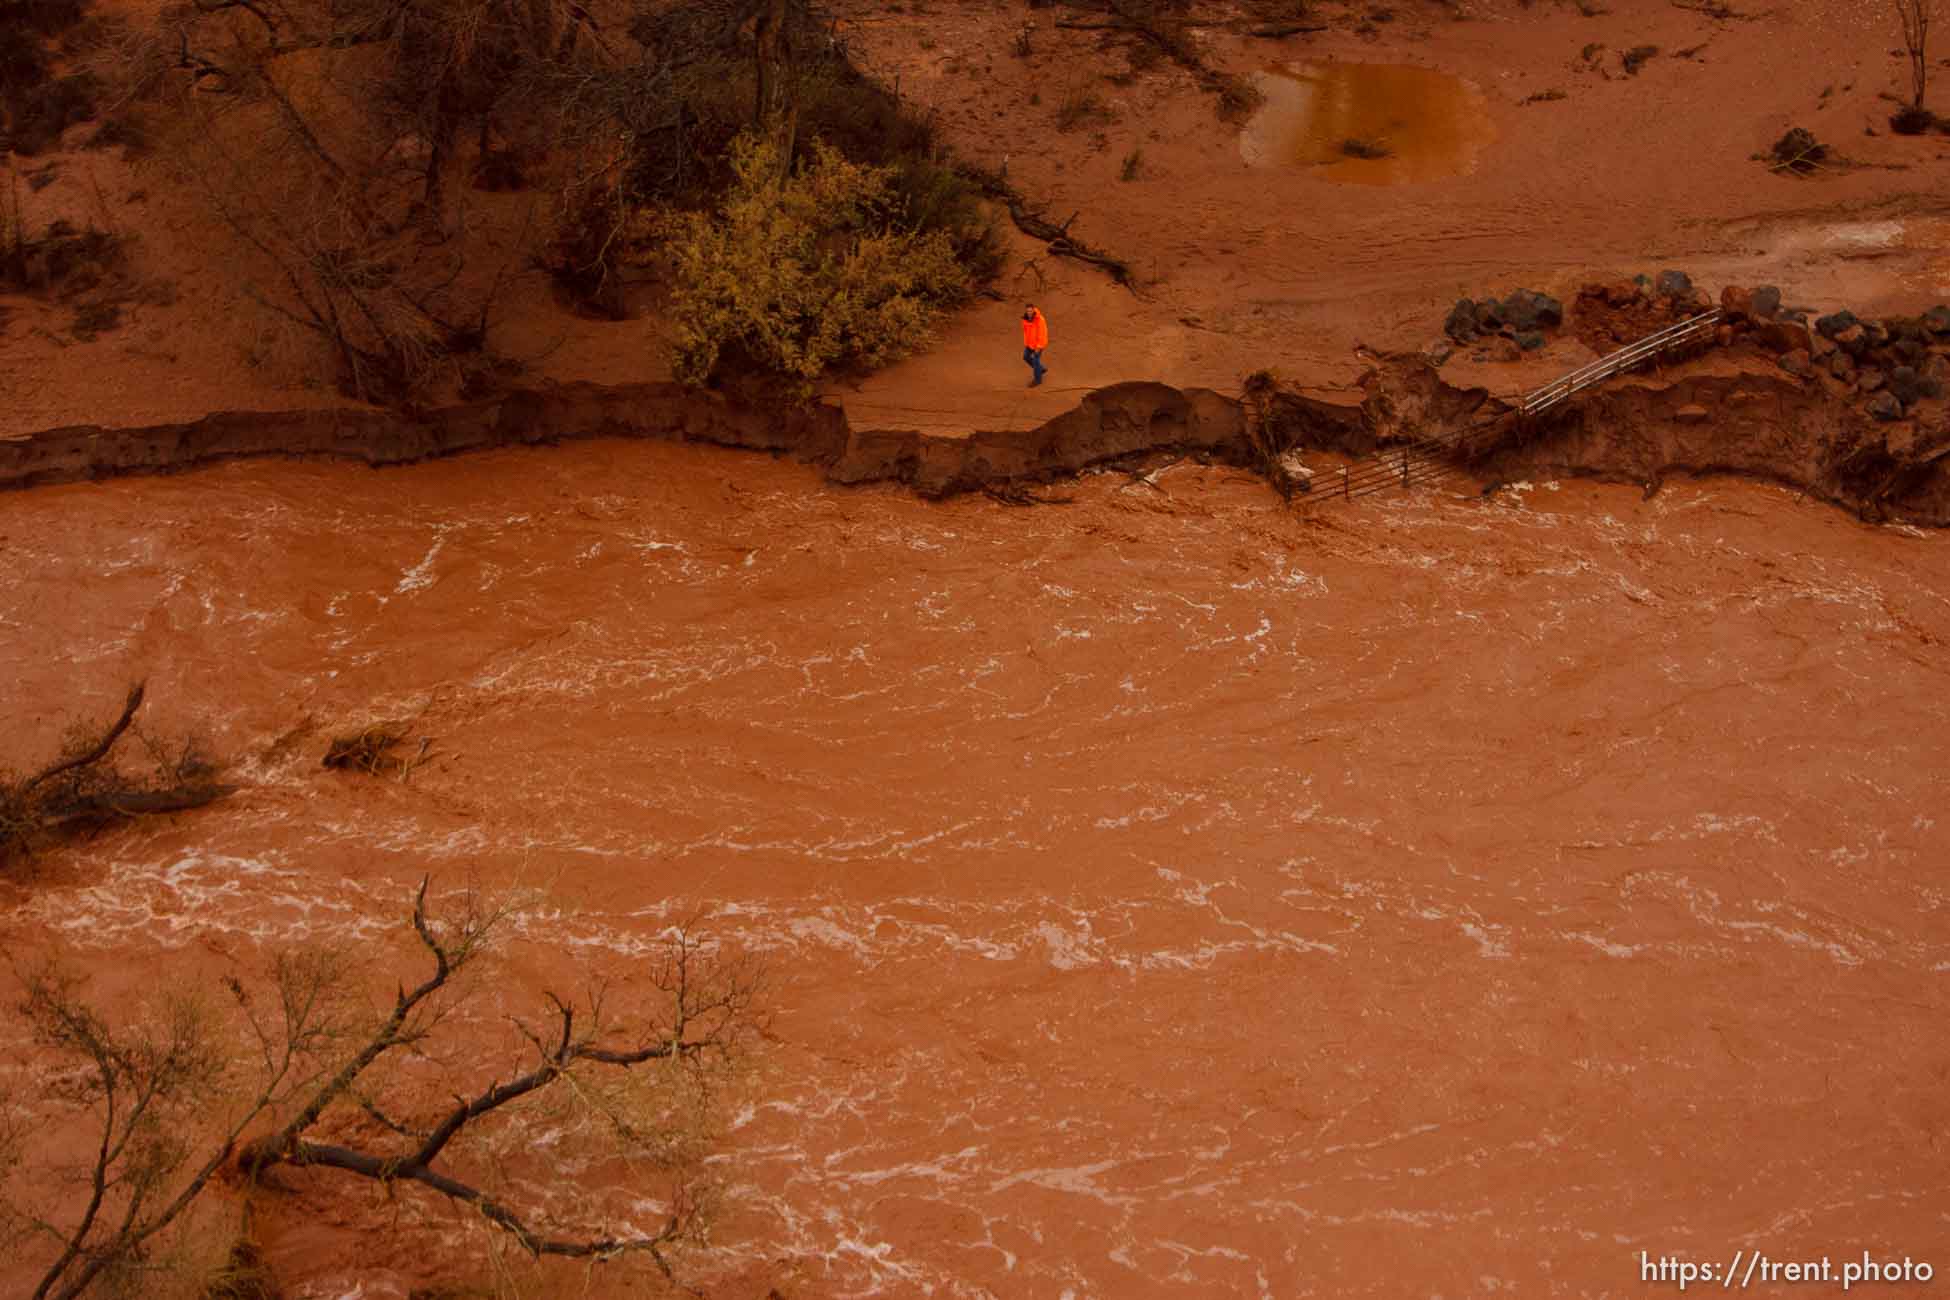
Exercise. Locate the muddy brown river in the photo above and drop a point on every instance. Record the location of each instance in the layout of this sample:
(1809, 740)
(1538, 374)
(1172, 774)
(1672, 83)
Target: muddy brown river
(1164, 895)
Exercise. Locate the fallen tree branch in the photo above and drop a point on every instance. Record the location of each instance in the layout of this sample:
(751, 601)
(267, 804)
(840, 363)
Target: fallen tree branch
(162, 1139)
(1015, 494)
(326, 1156)
(89, 789)
(707, 1017)
(95, 753)
(1235, 96)
(1057, 238)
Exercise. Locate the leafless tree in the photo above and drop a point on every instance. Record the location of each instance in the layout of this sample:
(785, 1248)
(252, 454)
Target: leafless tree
(1915, 17)
(319, 1072)
(327, 136)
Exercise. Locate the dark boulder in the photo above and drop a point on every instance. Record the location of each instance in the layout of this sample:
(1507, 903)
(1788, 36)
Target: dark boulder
(1674, 284)
(1766, 302)
(1830, 326)
(1530, 340)
(1526, 309)
(1462, 324)
(1937, 320)
(1908, 351)
(1884, 406)
(1906, 384)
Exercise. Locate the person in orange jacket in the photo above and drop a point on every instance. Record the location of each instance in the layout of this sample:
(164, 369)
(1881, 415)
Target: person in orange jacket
(1035, 337)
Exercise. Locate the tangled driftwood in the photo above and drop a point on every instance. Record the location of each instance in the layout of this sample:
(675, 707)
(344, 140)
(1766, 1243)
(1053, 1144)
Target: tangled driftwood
(86, 789)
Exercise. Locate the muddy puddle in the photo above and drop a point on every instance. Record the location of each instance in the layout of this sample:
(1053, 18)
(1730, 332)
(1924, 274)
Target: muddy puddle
(1366, 124)
(1164, 895)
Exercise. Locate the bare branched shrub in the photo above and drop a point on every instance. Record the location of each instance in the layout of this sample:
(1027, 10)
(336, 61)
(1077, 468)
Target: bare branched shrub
(303, 1060)
(623, 135)
(326, 135)
(344, 226)
(91, 785)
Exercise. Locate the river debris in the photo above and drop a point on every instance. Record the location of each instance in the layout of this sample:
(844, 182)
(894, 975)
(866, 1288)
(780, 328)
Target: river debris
(370, 750)
(1018, 494)
(90, 788)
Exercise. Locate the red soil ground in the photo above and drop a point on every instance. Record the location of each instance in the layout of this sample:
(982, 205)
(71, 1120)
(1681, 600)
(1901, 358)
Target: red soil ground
(1242, 267)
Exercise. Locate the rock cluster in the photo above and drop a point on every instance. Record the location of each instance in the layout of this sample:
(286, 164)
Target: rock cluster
(1521, 319)
(1888, 366)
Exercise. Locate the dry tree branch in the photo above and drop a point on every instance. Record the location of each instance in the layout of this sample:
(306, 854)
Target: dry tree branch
(707, 1016)
(1915, 16)
(96, 752)
(89, 789)
(144, 1085)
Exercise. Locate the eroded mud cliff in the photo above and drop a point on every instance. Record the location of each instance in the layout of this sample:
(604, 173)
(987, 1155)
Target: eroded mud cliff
(1728, 412)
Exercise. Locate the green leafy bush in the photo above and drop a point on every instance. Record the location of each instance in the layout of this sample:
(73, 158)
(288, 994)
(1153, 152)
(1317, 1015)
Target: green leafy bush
(793, 277)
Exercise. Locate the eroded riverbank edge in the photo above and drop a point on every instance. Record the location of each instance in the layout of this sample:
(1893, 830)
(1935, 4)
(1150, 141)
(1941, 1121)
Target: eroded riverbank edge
(1717, 414)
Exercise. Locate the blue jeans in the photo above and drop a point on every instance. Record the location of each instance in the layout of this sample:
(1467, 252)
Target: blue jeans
(1034, 356)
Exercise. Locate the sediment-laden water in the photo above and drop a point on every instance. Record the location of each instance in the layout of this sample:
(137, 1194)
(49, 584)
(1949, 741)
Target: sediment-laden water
(1163, 894)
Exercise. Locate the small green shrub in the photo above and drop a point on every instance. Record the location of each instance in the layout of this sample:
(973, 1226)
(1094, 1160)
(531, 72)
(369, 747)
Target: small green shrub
(793, 278)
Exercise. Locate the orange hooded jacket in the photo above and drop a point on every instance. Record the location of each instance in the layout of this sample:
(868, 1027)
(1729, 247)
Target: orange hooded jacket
(1035, 330)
